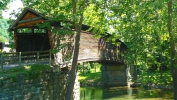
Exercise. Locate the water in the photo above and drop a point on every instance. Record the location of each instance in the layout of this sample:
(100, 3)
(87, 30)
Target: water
(124, 93)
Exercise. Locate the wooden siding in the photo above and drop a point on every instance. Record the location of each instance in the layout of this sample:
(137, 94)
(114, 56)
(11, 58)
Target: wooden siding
(88, 47)
(91, 49)
(29, 15)
(111, 52)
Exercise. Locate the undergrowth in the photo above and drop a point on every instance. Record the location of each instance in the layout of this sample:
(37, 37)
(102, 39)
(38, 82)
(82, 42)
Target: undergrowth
(30, 71)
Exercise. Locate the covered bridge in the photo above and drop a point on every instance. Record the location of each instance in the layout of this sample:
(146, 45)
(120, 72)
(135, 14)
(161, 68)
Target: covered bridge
(28, 36)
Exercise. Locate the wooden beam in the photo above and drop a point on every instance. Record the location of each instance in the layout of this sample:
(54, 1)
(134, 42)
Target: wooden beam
(33, 40)
(29, 24)
(50, 38)
(29, 20)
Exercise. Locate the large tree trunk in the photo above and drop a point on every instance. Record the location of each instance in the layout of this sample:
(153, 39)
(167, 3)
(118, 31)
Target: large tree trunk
(172, 47)
(73, 71)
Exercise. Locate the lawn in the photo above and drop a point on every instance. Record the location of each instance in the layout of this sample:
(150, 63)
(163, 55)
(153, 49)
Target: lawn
(90, 74)
(91, 77)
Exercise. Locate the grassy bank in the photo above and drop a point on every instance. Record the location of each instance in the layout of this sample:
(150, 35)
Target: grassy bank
(93, 74)
(91, 77)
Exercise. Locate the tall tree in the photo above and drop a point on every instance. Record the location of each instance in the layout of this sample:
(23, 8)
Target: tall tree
(171, 30)
(78, 26)
(146, 28)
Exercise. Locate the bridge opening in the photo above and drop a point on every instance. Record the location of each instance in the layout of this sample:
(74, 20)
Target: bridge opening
(32, 40)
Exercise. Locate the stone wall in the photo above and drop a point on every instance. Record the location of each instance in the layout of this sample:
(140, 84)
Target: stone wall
(114, 74)
(48, 85)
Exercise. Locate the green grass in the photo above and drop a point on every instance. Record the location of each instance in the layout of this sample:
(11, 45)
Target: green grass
(95, 75)
(91, 77)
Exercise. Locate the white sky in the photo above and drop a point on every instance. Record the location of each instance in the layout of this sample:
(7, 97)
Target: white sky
(12, 6)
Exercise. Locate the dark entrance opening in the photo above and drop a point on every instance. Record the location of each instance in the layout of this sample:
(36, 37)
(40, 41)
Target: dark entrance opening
(32, 42)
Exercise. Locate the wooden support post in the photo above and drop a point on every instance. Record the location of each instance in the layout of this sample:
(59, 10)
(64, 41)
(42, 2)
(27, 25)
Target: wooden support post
(19, 59)
(16, 40)
(37, 60)
(1, 61)
(49, 34)
(49, 58)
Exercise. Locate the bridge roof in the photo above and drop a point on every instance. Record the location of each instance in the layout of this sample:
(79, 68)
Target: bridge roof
(28, 18)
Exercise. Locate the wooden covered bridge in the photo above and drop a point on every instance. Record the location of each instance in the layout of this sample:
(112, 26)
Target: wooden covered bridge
(29, 36)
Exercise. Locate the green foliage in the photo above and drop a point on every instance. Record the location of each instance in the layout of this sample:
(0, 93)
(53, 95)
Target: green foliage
(152, 77)
(34, 67)
(88, 68)
(84, 68)
(142, 26)
(4, 35)
(24, 30)
(31, 71)
(3, 5)
(2, 39)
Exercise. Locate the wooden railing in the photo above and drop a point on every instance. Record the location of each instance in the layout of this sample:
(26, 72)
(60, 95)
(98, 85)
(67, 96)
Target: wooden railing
(25, 58)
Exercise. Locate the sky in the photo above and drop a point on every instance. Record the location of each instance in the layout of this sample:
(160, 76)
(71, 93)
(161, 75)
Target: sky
(12, 6)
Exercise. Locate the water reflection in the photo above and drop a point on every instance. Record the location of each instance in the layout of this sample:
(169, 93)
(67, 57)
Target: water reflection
(124, 93)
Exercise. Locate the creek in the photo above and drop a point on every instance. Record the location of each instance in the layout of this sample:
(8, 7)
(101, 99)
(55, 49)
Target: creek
(124, 93)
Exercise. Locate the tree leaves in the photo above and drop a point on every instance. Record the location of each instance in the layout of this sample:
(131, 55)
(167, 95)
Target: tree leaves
(4, 35)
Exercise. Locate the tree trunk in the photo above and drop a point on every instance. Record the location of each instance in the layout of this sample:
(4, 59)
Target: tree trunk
(172, 48)
(73, 71)
(135, 72)
(174, 74)
(161, 65)
(135, 68)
